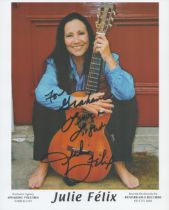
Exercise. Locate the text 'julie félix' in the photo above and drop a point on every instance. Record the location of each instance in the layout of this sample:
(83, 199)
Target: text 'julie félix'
(99, 196)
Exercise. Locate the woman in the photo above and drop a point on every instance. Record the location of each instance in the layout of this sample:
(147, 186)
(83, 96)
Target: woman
(66, 71)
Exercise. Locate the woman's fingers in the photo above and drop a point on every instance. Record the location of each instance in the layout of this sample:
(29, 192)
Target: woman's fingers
(99, 105)
(98, 108)
(97, 95)
(101, 45)
(91, 109)
(106, 100)
(100, 41)
(104, 105)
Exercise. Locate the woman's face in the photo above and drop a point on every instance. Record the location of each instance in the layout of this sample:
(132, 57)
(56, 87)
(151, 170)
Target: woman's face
(76, 38)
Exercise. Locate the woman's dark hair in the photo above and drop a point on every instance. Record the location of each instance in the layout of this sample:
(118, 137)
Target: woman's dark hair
(61, 55)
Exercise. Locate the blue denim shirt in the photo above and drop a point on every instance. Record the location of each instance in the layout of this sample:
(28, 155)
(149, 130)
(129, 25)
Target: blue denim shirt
(120, 82)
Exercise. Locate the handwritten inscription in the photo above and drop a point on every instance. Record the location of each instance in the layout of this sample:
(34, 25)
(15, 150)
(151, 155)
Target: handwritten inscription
(84, 124)
(53, 96)
(79, 152)
(74, 104)
(66, 103)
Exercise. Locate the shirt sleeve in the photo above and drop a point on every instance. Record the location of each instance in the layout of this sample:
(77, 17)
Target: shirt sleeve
(121, 82)
(48, 93)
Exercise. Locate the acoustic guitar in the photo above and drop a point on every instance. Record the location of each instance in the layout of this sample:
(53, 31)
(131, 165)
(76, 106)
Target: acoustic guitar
(80, 150)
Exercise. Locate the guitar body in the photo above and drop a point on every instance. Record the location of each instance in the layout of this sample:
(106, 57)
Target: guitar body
(81, 154)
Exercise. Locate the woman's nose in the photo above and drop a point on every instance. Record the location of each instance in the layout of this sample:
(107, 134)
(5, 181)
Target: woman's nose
(76, 39)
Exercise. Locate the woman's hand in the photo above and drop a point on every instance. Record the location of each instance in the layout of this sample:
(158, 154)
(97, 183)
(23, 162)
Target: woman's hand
(100, 106)
(101, 45)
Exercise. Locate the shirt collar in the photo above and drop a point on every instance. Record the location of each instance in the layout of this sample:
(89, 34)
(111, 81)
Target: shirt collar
(74, 69)
(80, 80)
(72, 63)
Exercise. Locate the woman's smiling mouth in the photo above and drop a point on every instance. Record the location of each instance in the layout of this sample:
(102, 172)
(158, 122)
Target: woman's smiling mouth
(78, 47)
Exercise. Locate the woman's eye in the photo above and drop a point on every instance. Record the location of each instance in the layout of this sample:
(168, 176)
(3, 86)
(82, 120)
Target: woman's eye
(69, 35)
(81, 33)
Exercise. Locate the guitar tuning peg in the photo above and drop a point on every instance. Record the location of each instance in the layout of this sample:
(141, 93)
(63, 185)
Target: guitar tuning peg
(112, 19)
(110, 25)
(114, 13)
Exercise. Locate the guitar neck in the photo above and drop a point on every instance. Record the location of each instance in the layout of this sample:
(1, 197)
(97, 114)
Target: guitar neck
(94, 73)
(104, 19)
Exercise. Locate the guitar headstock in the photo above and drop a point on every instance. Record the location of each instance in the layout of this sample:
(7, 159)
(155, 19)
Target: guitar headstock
(105, 17)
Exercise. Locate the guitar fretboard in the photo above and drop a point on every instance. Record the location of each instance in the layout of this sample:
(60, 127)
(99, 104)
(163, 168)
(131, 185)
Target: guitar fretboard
(94, 72)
